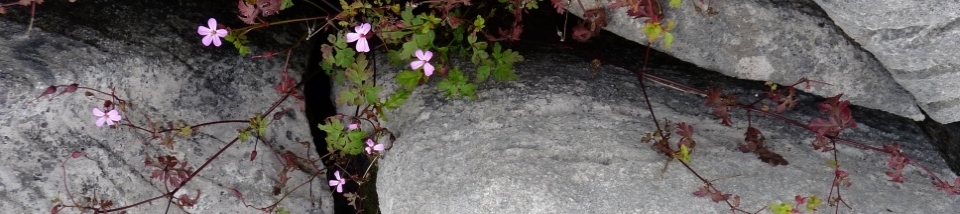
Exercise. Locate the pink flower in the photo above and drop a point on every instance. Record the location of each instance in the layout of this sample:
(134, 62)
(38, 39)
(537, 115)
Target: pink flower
(106, 117)
(360, 36)
(423, 62)
(211, 33)
(338, 182)
(371, 146)
(352, 126)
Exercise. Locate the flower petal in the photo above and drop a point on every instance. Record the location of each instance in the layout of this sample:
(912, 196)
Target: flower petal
(369, 142)
(352, 37)
(416, 64)
(369, 150)
(419, 54)
(101, 121)
(212, 23)
(216, 40)
(340, 188)
(333, 182)
(114, 115)
(378, 147)
(207, 40)
(222, 32)
(97, 112)
(425, 56)
(337, 174)
(362, 45)
(203, 31)
(427, 69)
(363, 28)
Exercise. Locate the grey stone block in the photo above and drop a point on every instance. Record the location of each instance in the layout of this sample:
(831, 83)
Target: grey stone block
(916, 41)
(779, 41)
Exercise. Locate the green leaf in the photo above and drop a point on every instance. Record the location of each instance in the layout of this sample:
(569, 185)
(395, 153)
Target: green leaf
(185, 130)
(280, 209)
(472, 38)
(448, 87)
(424, 40)
(509, 57)
(397, 99)
(370, 93)
(496, 50)
(409, 79)
(652, 30)
(530, 5)
(244, 135)
(354, 76)
(261, 125)
(334, 129)
(780, 208)
(407, 15)
(667, 39)
(479, 56)
(675, 3)
(833, 163)
(344, 57)
(393, 57)
(813, 203)
(407, 51)
(684, 154)
(469, 90)
(286, 4)
(339, 41)
(478, 24)
(354, 145)
(457, 76)
(504, 73)
(482, 73)
(348, 97)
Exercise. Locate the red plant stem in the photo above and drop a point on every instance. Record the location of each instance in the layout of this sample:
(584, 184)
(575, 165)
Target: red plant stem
(643, 88)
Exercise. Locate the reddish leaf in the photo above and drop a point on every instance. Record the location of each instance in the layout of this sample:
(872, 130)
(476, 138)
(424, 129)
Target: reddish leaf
(685, 130)
(581, 33)
(70, 89)
(718, 196)
(77, 154)
(248, 13)
(560, 5)
(268, 7)
(702, 192)
(236, 193)
(771, 157)
(50, 90)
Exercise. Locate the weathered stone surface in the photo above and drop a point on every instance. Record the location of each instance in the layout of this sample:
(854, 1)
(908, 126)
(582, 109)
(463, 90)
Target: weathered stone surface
(915, 40)
(563, 140)
(155, 61)
(780, 41)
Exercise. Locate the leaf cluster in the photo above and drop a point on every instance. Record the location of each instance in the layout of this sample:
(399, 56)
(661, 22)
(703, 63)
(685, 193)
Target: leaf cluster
(661, 141)
(341, 140)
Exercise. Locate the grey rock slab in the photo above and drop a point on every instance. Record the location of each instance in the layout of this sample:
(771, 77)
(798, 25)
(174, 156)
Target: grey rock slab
(779, 41)
(563, 140)
(173, 79)
(915, 40)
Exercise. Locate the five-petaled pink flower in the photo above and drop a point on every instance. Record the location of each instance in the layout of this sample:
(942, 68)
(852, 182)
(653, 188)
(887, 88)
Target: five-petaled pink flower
(106, 117)
(338, 182)
(360, 36)
(423, 62)
(210, 33)
(373, 146)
